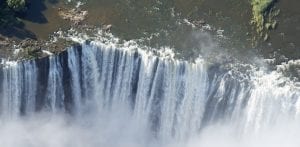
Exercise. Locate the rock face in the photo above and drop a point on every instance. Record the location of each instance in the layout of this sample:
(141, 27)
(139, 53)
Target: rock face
(6, 46)
(74, 15)
(31, 49)
(4, 42)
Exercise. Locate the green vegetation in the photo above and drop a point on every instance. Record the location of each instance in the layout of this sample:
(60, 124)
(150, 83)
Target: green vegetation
(9, 10)
(31, 53)
(263, 16)
(16, 5)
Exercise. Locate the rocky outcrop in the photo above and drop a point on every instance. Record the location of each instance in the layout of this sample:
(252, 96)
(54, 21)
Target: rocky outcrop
(74, 15)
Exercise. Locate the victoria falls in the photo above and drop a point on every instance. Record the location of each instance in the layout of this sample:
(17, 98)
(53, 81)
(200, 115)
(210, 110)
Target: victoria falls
(127, 73)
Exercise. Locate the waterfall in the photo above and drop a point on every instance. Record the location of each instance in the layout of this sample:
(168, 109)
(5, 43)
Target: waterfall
(169, 99)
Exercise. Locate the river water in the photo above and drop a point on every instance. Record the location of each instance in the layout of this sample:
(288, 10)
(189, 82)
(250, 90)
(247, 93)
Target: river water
(161, 23)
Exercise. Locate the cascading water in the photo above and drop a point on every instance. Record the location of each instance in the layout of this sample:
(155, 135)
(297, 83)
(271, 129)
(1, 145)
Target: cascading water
(101, 95)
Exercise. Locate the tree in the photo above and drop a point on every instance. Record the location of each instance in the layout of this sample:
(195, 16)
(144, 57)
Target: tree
(16, 5)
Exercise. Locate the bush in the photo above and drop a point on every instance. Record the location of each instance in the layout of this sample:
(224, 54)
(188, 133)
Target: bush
(260, 15)
(16, 5)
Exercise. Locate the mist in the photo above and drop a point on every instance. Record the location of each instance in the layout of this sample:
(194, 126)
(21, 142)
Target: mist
(113, 129)
(120, 130)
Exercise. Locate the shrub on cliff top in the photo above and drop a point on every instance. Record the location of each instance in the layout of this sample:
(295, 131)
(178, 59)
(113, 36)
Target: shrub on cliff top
(263, 14)
(258, 9)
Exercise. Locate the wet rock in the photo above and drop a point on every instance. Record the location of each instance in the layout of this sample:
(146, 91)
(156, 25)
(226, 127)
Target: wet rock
(107, 28)
(31, 49)
(74, 15)
(4, 43)
(266, 37)
(268, 26)
(274, 24)
(199, 23)
(26, 43)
